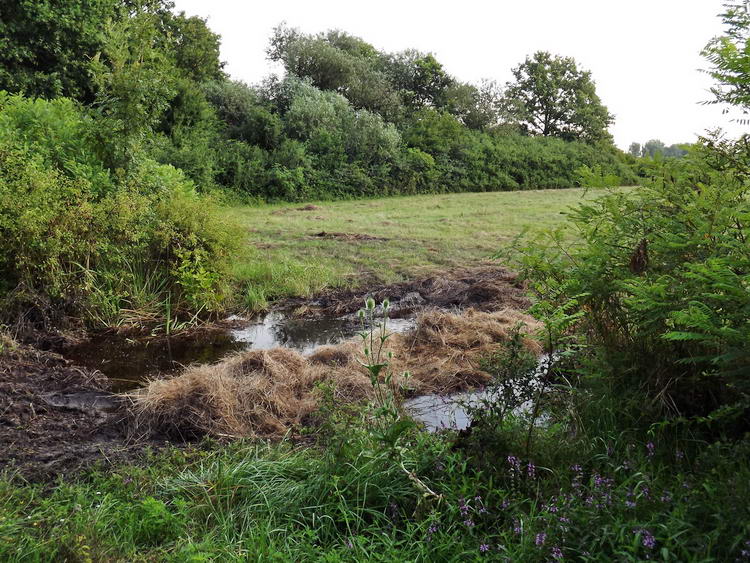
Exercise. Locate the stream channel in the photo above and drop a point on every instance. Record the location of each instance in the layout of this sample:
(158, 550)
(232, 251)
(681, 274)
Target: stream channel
(130, 363)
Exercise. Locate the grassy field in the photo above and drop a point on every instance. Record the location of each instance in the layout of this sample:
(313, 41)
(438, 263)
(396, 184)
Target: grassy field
(410, 235)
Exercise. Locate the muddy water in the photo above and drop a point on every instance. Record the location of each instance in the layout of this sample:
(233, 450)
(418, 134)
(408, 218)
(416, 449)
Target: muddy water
(128, 362)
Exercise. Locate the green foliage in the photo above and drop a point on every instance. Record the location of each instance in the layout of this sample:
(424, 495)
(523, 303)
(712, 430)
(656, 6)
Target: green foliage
(661, 273)
(605, 497)
(45, 46)
(135, 86)
(597, 178)
(730, 57)
(552, 97)
(71, 230)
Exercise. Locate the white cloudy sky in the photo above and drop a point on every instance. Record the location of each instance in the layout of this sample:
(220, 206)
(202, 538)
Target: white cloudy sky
(644, 54)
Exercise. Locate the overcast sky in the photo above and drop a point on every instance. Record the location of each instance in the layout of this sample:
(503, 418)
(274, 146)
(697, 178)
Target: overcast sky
(644, 54)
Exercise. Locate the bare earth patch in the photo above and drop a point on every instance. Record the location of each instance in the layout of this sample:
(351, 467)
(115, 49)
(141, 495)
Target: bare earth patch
(485, 288)
(348, 236)
(55, 417)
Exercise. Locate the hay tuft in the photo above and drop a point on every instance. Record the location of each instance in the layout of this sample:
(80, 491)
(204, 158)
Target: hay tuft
(268, 392)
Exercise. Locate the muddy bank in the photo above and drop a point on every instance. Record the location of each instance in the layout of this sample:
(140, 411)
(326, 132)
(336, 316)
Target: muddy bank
(484, 288)
(56, 417)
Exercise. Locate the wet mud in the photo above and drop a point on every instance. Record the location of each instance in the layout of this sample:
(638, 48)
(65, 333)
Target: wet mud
(484, 288)
(56, 417)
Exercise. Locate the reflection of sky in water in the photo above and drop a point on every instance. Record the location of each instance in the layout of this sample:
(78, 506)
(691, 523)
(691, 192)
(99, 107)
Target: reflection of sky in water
(304, 335)
(438, 412)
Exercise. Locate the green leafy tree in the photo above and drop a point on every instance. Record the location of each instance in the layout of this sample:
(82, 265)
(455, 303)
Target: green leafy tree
(338, 62)
(477, 107)
(45, 46)
(136, 83)
(552, 97)
(194, 47)
(653, 147)
(730, 56)
(419, 78)
(245, 115)
(635, 149)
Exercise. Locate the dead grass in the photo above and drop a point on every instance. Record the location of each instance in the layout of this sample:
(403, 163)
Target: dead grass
(7, 343)
(265, 393)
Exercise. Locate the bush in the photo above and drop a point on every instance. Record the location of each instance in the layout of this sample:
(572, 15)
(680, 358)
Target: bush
(661, 279)
(82, 239)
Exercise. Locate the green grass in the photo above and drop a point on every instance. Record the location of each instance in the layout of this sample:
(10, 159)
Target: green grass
(352, 502)
(424, 233)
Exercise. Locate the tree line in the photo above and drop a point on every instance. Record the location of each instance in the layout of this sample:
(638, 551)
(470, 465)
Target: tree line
(345, 119)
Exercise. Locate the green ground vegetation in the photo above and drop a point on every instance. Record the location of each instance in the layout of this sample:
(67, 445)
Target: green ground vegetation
(411, 236)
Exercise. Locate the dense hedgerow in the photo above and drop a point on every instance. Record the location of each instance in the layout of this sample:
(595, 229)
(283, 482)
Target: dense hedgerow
(295, 142)
(77, 236)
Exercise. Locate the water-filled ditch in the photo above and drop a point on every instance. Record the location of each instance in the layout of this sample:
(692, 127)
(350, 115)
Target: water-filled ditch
(441, 412)
(129, 362)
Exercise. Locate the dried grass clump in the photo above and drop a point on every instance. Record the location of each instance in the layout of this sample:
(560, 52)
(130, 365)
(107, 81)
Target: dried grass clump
(7, 343)
(444, 350)
(267, 392)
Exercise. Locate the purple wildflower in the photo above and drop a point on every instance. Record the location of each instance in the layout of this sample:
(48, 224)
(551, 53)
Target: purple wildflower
(505, 504)
(484, 548)
(349, 544)
(517, 529)
(469, 522)
(647, 538)
(651, 448)
(514, 462)
(530, 470)
(541, 537)
(557, 554)
(680, 455)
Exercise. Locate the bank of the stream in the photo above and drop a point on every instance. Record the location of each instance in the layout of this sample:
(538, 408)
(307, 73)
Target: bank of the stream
(246, 376)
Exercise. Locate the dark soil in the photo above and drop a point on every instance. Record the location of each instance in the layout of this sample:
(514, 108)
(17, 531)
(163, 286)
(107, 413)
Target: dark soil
(485, 288)
(56, 417)
(285, 210)
(347, 236)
